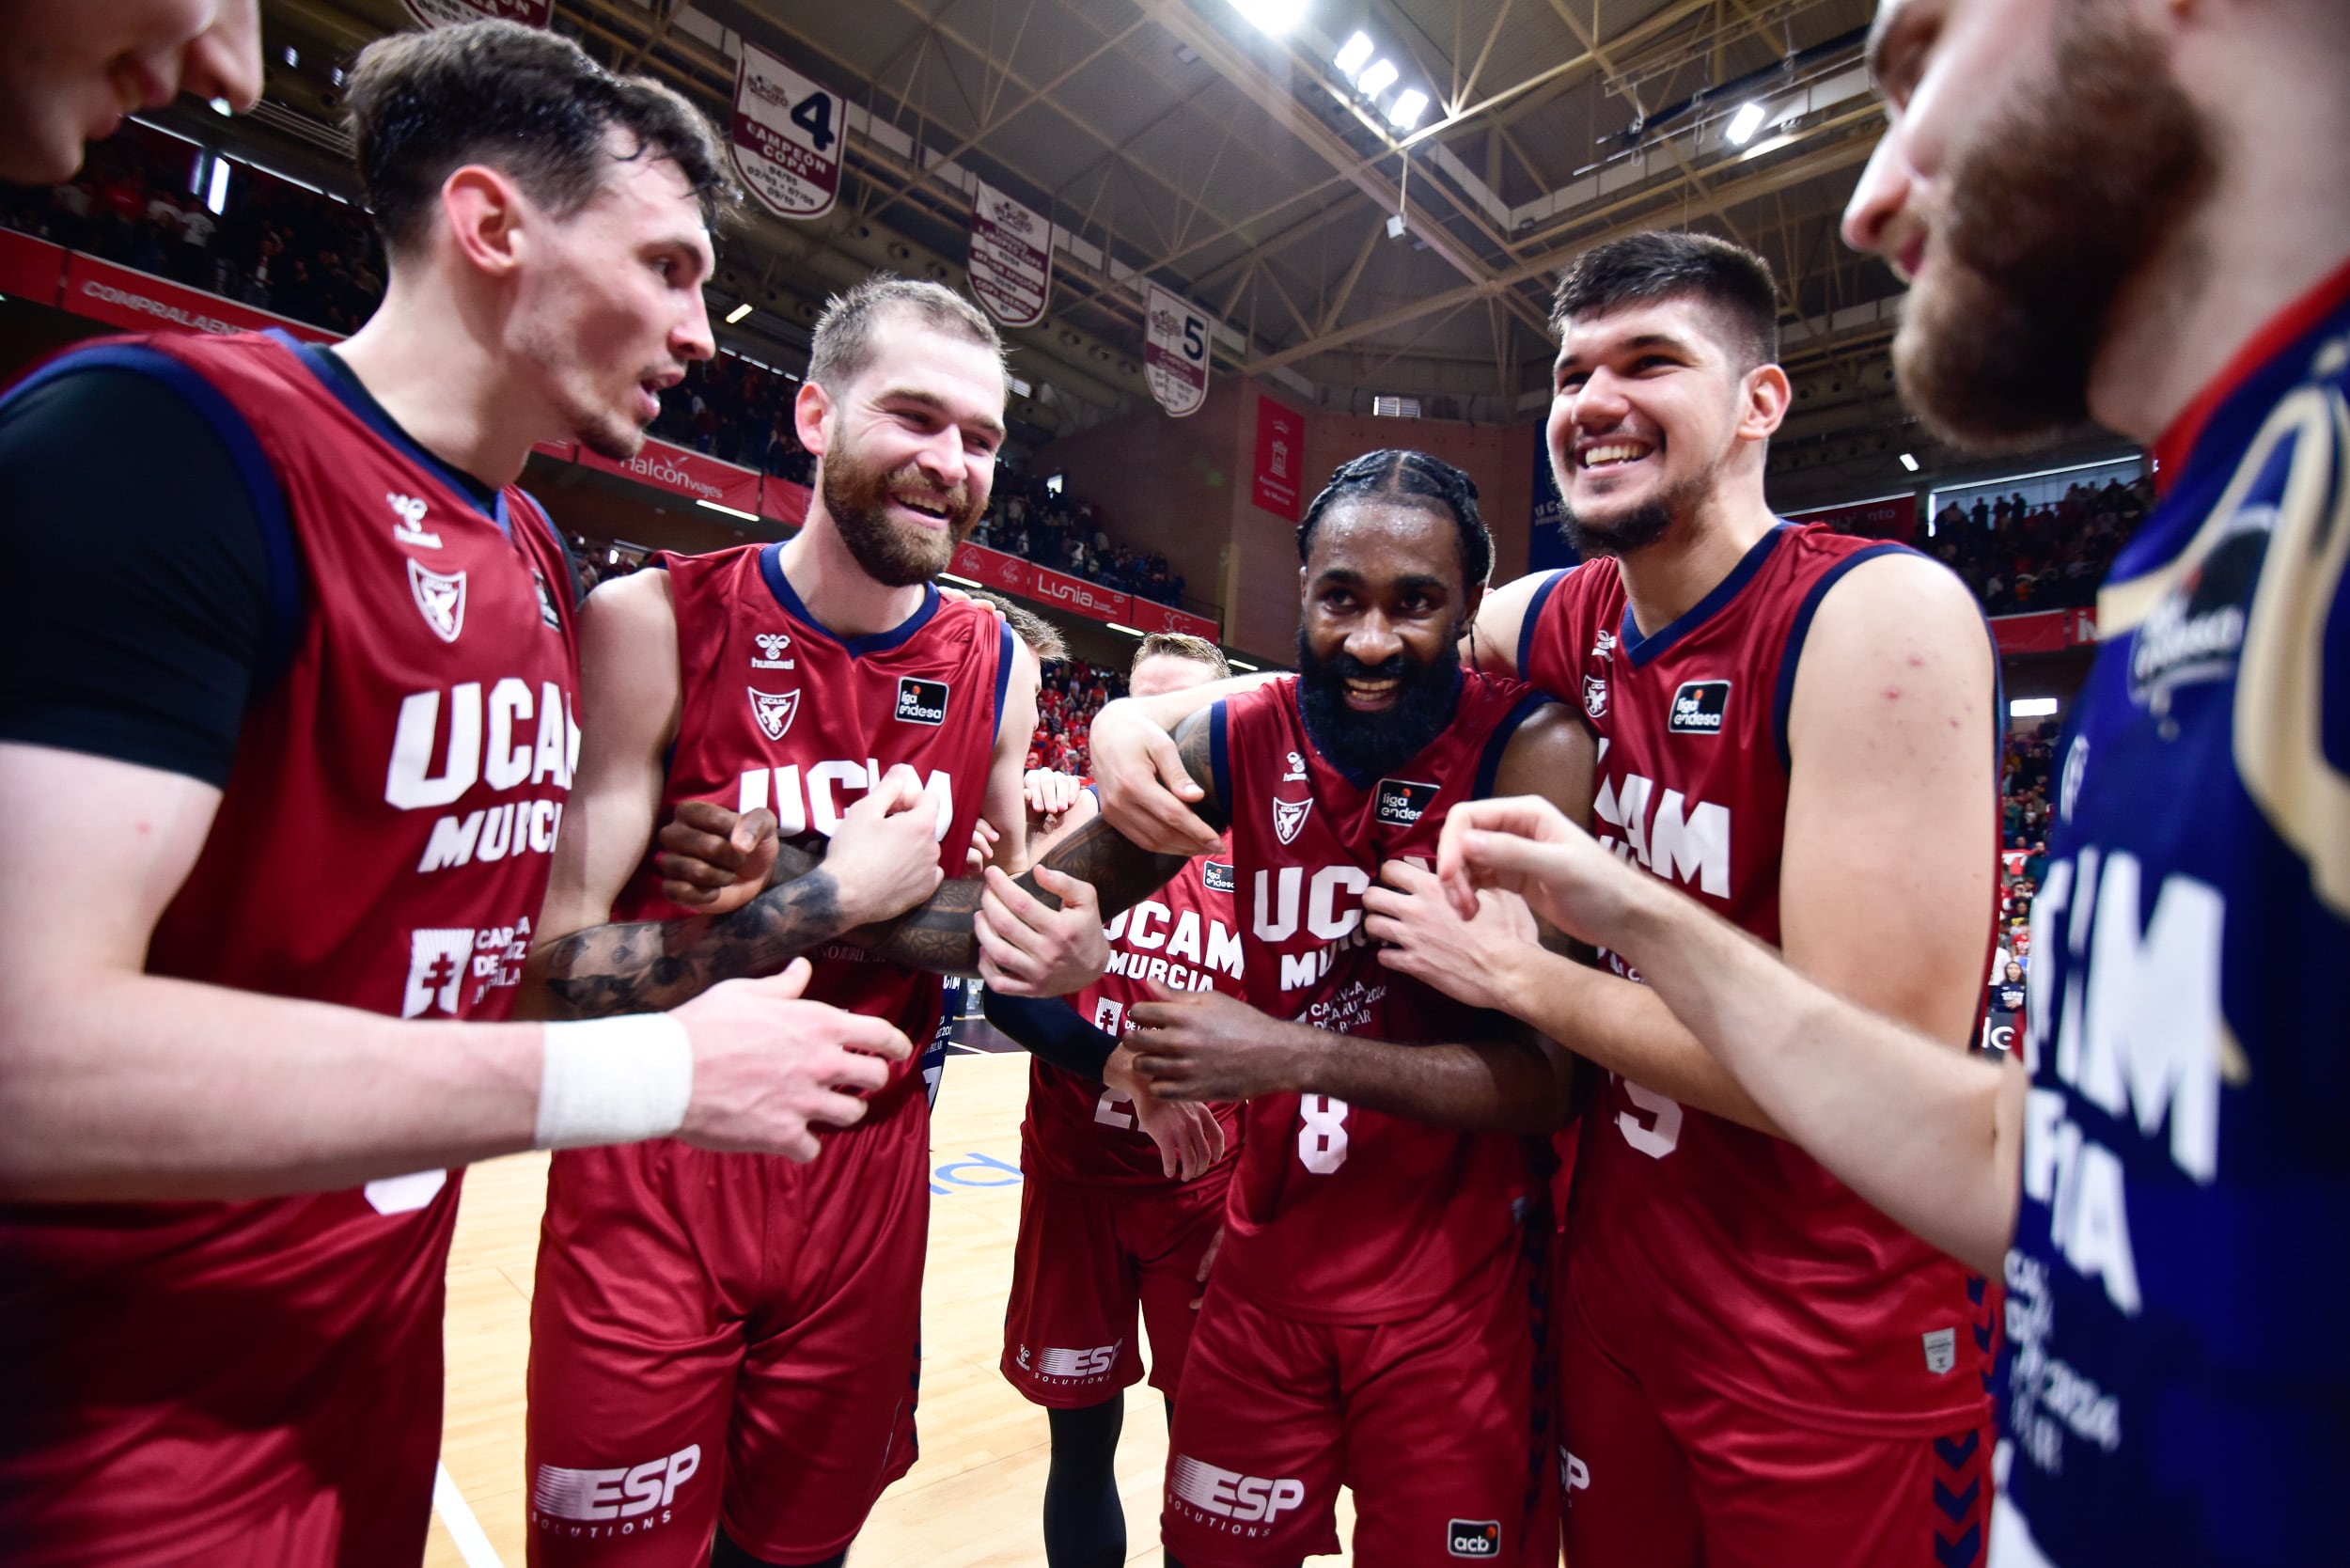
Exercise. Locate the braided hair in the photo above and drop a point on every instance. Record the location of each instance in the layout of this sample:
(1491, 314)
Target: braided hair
(1409, 479)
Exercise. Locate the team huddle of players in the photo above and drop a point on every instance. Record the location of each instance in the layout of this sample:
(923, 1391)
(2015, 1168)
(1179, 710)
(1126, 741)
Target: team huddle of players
(1454, 1054)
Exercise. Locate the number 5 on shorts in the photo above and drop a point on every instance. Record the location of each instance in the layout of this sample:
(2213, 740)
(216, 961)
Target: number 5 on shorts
(1321, 1142)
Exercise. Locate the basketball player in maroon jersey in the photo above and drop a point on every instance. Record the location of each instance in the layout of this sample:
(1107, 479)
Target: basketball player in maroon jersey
(75, 69)
(337, 654)
(1757, 1366)
(1114, 1217)
(748, 1323)
(1371, 1318)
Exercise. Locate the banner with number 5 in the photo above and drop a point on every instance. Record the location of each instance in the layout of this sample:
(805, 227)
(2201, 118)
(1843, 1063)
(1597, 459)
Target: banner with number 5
(787, 137)
(1175, 351)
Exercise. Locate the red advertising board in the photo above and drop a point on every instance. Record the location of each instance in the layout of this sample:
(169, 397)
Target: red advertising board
(30, 268)
(1280, 453)
(1091, 600)
(561, 451)
(143, 303)
(783, 501)
(684, 473)
(1152, 616)
(1894, 517)
(993, 569)
(2046, 632)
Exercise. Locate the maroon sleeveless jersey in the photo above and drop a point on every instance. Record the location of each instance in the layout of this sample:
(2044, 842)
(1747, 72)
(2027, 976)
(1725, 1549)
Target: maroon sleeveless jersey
(1185, 937)
(384, 842)
(781, 712)
(1783, 1286)
(1339, 1213)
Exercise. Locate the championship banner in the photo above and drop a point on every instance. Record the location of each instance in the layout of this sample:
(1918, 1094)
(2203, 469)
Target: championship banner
(1012, 258)
(1893, 517)
(684, 473)
(1280, 452)
(787, 137)
(1175, 352)
(122, 297)
(448, 13)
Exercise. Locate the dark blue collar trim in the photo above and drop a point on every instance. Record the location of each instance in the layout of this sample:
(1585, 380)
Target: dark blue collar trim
(1641, 650)
(347, 391)
(771, 568)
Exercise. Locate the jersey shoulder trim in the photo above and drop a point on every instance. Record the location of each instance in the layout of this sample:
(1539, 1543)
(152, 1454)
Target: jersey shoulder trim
(1220, 756)
(1006, 645)
(1534, 608)
(1783, 693)
(1488, 764)
(287, 611)
(771, 571)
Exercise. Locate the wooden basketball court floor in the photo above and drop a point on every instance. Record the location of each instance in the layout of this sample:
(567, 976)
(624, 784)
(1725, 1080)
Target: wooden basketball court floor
(974, 1498)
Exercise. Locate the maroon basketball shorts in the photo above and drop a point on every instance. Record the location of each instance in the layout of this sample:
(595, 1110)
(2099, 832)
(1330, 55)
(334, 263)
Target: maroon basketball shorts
(1088, 1258)
(725, 1339)
(1661, 1472)
(1435, 1420)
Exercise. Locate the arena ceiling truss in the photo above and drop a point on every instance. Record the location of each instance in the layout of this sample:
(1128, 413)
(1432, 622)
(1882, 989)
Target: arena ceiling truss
(1261, 174)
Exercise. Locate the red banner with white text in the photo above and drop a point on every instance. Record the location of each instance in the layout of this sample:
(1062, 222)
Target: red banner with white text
(684, 473)
(2044, 630)
(1001, 573)
(1280, 454)
(1152, 616)
(1894, 517)
(143, 303)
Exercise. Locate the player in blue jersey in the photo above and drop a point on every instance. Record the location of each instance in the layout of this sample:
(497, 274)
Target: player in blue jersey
(2135, 212)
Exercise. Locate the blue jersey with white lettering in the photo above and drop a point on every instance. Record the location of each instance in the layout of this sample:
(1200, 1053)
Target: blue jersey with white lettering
(2178, 1377)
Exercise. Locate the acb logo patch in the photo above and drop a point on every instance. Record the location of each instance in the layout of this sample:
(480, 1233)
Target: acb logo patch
(1478, 1538)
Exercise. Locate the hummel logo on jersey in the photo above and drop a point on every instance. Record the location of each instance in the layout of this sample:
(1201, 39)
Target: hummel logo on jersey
(410, 529)
(1218, 876)
(546, 600)
(615, 1494)
(770, 656)
(440, 599)
(1288, 817)
(774, 713)
(1229, 1495)
(922, 701)
(1594, 696)
(1941, 1350)
(1699, 707)
(1296, 774)
(1604, 647)
(1473, 1538)
(1401, 802)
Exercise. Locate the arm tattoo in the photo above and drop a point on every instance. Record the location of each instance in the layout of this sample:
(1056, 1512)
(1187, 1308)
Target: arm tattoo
(647, 966)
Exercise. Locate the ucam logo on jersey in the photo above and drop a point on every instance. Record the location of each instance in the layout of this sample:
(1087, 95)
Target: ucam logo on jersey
(1402, 802)
(1288, 817)
(775, 710)
(1480, 1538)
(1594, 696)
(596, 1504)
(440, 599)
(922, 701)
(1245, 1505)
(1698, 707)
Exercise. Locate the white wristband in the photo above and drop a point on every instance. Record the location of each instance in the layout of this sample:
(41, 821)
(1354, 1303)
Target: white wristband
(614, 1080)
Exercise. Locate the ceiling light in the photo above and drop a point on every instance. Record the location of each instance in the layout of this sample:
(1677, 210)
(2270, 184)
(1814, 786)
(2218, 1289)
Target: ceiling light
(959, 582)
(738, 312)
(1242, 664)
(730, 512)
(1378, 78)
(1116, 627)
(1744, 124)
(1353, 53)
(1409, 105)
(1275, 16)
(2032, 707)
(220, 107)
(1909, 462)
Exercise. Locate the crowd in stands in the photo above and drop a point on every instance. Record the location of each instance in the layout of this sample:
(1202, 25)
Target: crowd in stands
(2021, 558)
(1030, 518)
(1075, 691)
(2023, 841)
(737, 411)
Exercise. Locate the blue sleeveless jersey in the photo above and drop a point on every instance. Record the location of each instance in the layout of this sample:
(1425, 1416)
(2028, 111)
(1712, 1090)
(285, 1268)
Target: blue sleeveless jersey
(2177, 1376)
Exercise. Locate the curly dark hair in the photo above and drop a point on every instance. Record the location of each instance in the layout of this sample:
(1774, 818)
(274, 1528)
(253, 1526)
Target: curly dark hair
(1413, 478)
(422, 105)
(1660, 264)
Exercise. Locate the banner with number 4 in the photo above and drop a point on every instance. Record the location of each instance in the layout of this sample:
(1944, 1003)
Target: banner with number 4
(787, 137)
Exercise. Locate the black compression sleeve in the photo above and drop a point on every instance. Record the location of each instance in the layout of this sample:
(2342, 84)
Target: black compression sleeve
(135, 607)
(1051, 1029)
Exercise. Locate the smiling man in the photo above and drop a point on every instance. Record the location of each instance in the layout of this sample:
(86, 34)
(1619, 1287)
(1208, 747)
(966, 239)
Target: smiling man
(759, 1315)
(2132, 210)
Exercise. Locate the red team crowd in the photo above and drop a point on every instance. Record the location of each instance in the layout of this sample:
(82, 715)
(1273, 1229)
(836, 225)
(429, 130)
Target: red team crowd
(1347, 1090)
